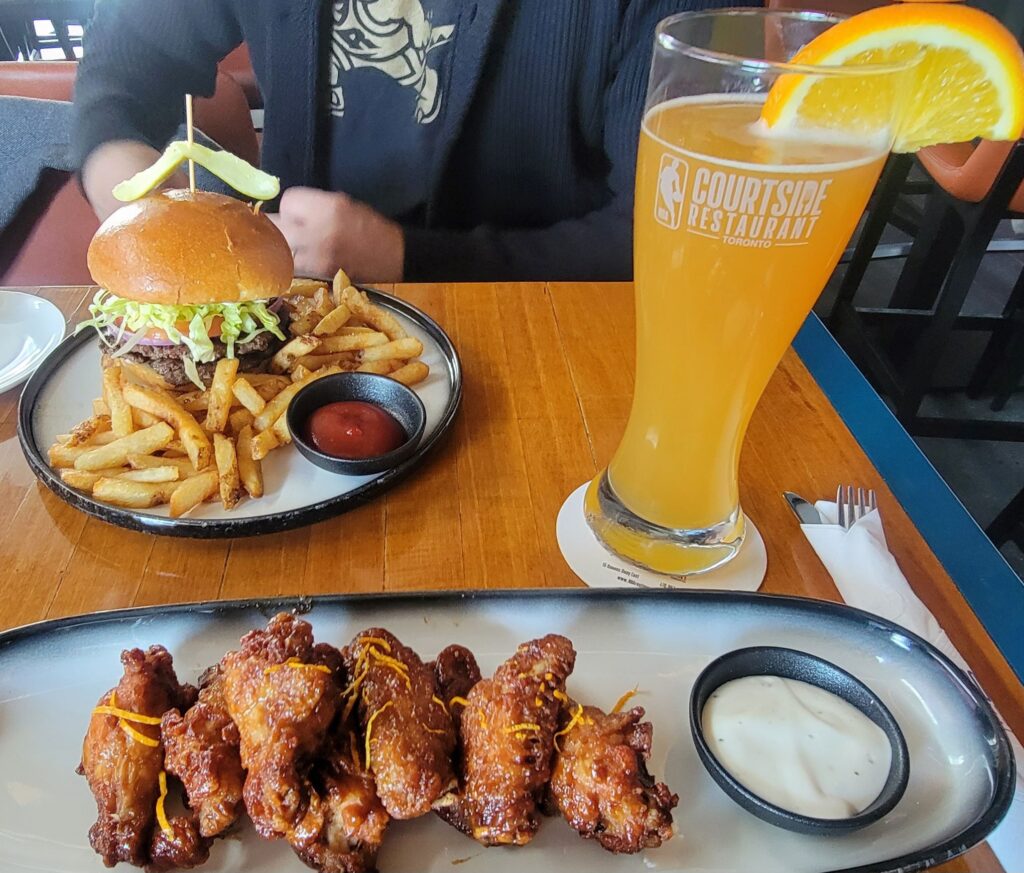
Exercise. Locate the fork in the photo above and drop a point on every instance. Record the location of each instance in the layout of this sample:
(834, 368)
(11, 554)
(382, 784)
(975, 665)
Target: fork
(852, 504)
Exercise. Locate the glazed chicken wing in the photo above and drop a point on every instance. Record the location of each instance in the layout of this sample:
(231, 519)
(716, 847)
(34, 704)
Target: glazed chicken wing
(455, 672)
(122, 758)
(409, 737)
(507, 734)
(600, 782)
(201, 749)
(354, 818)
(282, 694)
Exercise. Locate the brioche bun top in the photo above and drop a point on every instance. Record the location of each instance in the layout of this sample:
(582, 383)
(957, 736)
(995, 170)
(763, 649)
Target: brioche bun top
(179, 247)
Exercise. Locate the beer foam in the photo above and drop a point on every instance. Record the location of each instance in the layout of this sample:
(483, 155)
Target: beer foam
(871, 148)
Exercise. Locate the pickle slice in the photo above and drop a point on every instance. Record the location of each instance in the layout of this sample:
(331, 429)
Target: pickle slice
(230, 169)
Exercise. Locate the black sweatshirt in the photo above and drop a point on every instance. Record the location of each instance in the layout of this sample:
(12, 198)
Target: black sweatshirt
(532, 174)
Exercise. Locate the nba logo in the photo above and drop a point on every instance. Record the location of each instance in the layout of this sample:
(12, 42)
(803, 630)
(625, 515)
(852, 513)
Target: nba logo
(668, 206)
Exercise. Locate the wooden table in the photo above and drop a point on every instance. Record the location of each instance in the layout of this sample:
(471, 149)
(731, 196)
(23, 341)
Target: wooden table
(548, 377)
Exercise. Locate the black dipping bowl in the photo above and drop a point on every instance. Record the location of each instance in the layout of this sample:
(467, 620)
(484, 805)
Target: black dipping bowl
(791, 664)
(391, 396)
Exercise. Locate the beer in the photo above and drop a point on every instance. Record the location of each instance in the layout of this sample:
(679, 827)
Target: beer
(736, 232)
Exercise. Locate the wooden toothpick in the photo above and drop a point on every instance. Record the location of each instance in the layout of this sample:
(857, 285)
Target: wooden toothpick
(191, 139)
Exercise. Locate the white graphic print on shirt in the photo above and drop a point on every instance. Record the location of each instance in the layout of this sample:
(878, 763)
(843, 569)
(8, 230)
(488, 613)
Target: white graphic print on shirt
(393, 36)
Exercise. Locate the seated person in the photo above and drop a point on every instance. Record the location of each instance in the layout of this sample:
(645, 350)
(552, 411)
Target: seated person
(416, 140)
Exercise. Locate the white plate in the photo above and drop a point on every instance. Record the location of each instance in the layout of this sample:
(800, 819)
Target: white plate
(960, 764)
(296, 491)
(30, 328)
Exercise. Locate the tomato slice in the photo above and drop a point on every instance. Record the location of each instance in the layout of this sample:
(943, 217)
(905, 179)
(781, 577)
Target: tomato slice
(155, 333)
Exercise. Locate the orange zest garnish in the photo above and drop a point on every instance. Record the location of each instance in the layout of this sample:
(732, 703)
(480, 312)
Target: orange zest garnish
(396, 665)
(354, 684)
(126, 715)
(622, 701)
(461, 701)
(295, 662)
(369, 730)
(380, 641)
(576, 717)
(560, 695)
(440, 732)
(137, 735)
(161, 815)
(439, 702)
(538, 702)
(522, 726)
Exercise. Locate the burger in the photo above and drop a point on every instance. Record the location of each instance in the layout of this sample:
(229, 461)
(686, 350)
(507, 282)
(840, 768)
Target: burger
(187, 278)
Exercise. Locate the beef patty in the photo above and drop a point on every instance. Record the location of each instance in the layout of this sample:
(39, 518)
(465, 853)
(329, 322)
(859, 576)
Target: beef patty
(253, 356)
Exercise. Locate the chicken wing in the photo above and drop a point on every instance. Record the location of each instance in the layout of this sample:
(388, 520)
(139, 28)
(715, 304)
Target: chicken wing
(282, 694)
(600, 781)
(201, 749)
(408, 732)
(122, 756)
(507, 733)
(455, 673)
(354, 817)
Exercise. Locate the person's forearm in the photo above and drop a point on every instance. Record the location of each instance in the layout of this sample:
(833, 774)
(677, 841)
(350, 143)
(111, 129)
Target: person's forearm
(114, 162)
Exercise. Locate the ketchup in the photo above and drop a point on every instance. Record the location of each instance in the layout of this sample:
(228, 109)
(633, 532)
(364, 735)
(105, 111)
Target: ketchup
(353, 429)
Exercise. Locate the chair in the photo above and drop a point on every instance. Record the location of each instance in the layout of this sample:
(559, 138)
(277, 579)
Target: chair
(46, 243)
(977, 186)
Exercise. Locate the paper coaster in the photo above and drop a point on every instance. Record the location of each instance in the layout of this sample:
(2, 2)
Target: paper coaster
(600, 568)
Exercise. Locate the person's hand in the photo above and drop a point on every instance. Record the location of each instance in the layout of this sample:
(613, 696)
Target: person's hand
(328, 231)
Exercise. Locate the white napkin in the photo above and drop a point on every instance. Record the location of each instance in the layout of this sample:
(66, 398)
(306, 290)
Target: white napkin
(868, 577)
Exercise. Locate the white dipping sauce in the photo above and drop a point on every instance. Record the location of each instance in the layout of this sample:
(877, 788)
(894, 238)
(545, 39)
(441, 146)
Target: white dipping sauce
(797, 746)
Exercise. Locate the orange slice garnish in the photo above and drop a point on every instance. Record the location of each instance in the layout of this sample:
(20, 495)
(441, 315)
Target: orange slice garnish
(967, 83)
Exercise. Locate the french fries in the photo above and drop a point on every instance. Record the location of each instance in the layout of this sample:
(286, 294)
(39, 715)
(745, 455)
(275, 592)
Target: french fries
(305, 287)
(400, 349)
(143, 374)
(333, 321)
(87, 431)
(165, 473)
(221, 394)
(373, 315)
(277, 407)
(193, 491)
(164, 406)
(262, 444)
(250, 471)
(248, 396)
(146, 462)
(411, 374)
(280, 429)
(134, 495)
(238, 419)
(352, 342)
(121, 422)
(84, 480)
(229, 482)
(292, 351)
(339, 285)
(147, 444)
(381, 368)
(115, 454)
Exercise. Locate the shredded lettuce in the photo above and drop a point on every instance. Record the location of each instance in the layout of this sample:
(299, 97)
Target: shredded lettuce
(240, 322)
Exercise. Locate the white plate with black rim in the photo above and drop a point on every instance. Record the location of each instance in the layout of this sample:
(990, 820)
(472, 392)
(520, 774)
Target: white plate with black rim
(61, 391)
(30, 328)
(961, 767)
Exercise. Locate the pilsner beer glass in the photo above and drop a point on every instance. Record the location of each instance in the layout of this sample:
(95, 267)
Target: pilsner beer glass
(737, 227)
